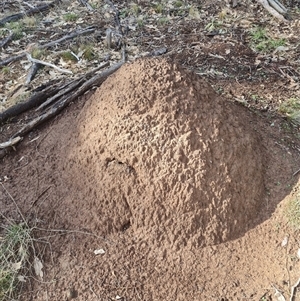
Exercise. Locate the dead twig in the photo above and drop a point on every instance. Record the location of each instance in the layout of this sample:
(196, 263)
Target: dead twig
(68, 37)
(296, 172)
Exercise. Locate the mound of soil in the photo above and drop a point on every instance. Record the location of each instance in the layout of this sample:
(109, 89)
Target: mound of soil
(159, 154)
(157, 171)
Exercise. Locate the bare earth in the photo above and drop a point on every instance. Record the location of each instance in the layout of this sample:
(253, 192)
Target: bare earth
(183, 190)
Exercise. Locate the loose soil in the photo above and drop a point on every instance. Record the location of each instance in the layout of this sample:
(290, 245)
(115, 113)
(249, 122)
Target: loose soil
(184, 190)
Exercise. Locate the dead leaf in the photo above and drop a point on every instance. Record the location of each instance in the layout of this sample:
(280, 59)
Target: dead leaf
(16, 266)
(99, 251)
(21, 278)
(38, 266)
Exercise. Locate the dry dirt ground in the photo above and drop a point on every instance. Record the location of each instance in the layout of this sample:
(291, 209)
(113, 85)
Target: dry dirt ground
(177, 170)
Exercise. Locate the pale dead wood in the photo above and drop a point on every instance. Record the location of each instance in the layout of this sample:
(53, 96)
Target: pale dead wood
(31, 59)
(278, 6)
(10, 142)
(272, 10)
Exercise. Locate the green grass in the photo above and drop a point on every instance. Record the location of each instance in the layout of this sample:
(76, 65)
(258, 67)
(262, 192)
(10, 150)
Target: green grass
(162, 21)
(17, 29)
(38, 53)
(135, 9)
(262, 42)
(213, 25)
(71, 17)
(88, 52)
(293, 211)
(67, 56)
(178, 3)
(15, 244)
(159, 8)
(291, 109)
(5, 70)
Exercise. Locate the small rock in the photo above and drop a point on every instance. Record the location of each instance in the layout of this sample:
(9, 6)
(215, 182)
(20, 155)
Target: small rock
(71, 294)
(284, 242)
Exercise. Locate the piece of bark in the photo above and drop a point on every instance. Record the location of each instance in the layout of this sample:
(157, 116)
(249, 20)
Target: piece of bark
(12, 59)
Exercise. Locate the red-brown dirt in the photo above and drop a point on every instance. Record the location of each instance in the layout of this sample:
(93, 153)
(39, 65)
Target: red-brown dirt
(183, 190)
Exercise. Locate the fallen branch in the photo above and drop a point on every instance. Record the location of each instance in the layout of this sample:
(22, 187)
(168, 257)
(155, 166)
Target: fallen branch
(278, 6)
(29, 12)
(86, 4)
(10, 142)
(68, 37)
(35, 100)
(271, 10)
(71, 86)
(31, 59)
(32, 72)
(12, 59)
(6, 40)
(48, 45)
(119, 34)
(61, 104)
